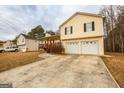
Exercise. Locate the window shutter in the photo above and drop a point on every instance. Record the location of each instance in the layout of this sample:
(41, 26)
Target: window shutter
(71, 29)
(65, 30)
(93, 26)
(84, 27)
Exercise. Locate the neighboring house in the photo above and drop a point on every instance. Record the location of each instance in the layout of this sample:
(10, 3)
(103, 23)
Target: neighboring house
(26, 43)
(47, 35)
(1, 44)
(49, 40)
(83, 33)
(9, 44)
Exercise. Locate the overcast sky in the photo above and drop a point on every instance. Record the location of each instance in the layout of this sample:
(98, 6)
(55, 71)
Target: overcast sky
(20, 19)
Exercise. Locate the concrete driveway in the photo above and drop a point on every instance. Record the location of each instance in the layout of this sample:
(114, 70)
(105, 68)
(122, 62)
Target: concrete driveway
(75, 71)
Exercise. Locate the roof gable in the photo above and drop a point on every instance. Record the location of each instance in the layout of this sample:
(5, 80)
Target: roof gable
(26, 37)
(81, 13)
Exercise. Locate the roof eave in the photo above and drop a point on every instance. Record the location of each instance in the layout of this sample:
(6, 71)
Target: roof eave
(80, 13)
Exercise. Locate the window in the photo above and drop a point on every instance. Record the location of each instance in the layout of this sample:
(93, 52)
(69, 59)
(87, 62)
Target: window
(65, 30)
(68, 30)
(71, 29)
(90, 42)
(86, 42)
(88, 27)
(23, 40)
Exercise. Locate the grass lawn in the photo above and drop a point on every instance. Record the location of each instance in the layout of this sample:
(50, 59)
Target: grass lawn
(115, 64)
(15, 59)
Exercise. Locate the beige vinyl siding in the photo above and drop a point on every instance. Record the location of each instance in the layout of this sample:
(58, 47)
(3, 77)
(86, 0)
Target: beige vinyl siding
(77, 23)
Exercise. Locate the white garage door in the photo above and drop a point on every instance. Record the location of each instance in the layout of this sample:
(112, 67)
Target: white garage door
(89, 47)
(22, 48)
(72, 47)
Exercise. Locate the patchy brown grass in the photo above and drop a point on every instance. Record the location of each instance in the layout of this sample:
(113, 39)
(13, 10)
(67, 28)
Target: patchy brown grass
(15, 59)
(115, 64)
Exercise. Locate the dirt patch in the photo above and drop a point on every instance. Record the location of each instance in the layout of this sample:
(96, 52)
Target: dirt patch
(15, 59)
(115, 64)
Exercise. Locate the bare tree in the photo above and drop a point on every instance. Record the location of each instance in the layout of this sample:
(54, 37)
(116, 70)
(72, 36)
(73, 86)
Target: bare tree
(120, 27)
(109, 24)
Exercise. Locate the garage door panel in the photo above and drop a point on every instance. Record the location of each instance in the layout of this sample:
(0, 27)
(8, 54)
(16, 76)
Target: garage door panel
(86, 47)
(72, 47)
(89, 47)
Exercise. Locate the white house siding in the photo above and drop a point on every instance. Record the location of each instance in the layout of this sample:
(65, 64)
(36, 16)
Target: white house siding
(22, 48)
(25, 44)
(32, 45)
(9, 44)
(21, 43)
(21, 40)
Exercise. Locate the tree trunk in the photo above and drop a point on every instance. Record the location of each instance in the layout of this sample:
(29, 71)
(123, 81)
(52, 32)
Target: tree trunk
(122, 44)
(113, 43)
(122, 47)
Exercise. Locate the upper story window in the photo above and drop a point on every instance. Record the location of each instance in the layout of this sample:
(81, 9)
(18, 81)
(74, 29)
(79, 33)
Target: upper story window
(23, 40)
(68, 30)
(88, 27)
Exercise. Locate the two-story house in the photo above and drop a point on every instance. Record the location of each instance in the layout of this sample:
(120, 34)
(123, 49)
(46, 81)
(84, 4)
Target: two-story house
(83, 33)
(9, 44)
(26, 43)
(1, 44)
